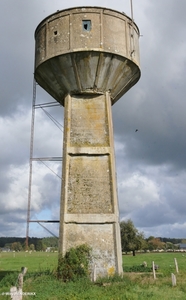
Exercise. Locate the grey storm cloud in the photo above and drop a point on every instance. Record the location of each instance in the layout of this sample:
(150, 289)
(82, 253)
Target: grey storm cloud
(151, 162)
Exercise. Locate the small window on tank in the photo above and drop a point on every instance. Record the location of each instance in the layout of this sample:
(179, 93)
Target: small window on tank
(86, 25)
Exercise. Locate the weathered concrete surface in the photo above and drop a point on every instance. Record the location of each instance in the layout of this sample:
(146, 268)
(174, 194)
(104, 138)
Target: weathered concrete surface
(103, 57)
(89, 205)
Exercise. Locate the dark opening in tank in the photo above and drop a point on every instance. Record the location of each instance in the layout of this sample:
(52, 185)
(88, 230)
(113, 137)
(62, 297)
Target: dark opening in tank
(86, 25)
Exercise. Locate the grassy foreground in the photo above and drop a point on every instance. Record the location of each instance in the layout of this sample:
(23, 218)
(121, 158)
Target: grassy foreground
(40, 278)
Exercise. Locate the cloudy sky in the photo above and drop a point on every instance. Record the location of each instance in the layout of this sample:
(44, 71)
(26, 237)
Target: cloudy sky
(151, 163)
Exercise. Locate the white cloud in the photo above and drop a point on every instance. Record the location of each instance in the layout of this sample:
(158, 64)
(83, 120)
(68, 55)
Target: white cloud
(136, 192)
(14, 136)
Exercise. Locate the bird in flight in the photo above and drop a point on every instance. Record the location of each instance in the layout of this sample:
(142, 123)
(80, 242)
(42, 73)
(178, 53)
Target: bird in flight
(136, 130)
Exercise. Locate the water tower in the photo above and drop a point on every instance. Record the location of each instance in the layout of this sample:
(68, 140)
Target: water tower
(87, 58)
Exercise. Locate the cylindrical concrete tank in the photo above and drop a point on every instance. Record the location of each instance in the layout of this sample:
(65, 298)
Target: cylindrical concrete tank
(87, 50)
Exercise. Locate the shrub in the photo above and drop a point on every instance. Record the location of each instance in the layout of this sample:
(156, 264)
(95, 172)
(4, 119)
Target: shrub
(74, 264)
(9, 279)
(137, 269)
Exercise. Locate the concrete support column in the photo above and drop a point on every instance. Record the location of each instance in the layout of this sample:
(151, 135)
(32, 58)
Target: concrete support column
(89, 206)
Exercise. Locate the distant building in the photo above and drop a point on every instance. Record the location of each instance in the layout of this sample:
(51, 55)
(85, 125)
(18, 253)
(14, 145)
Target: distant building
(182, 246)
(48, 249)
(5, 249)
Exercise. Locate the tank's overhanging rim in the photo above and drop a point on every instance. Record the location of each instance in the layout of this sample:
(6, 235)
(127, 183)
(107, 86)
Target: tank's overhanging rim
(79, 7)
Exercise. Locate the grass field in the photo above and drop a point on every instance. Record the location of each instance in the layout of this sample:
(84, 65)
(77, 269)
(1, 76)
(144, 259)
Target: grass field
(40, 278)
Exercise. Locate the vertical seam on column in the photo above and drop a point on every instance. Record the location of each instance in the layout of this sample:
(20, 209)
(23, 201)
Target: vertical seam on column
(64, 188)
(78, 81)
(116, 226)
(70, 32)
(111, 156)
(69, 107)
(101, 29)
(109, 117)
(126, 38)
(46, 40)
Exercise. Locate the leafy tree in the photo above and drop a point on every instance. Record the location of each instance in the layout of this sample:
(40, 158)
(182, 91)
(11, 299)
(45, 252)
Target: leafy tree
(151, 237)
(131, 238)
(8, 245)
(32, 247)
(40, 246)
(155, 243)
(50, 242)
(16, 246)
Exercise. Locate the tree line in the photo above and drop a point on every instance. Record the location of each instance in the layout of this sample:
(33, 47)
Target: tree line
(19, 244)
(131, 240)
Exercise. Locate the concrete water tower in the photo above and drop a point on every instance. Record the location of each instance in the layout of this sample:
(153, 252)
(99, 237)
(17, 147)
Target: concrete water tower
(87, 58)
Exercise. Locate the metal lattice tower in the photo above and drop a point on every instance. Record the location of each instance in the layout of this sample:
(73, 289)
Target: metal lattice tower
(40, 159)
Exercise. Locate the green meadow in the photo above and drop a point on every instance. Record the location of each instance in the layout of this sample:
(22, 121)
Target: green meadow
(137, 282)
